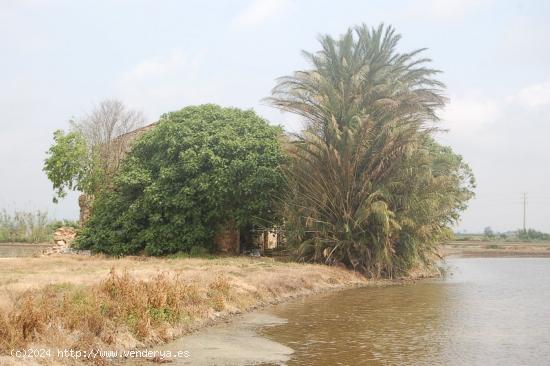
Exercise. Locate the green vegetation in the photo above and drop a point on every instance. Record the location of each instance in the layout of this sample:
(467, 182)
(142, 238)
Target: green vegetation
(199, 169)
(369, 187)
(488, 232)
(68, 164)
(512, 236)
(28, 227)
(364, 184)
(194, 252)
(87, 157)
(532, 234)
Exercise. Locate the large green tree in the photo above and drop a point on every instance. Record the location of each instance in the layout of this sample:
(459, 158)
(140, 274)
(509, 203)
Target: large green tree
(370, 188)
(199, 168)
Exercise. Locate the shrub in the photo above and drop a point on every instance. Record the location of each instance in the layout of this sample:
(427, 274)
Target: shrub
(197, 169)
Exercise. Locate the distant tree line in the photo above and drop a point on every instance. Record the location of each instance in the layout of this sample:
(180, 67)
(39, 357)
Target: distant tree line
(520, 234)
(532, 234)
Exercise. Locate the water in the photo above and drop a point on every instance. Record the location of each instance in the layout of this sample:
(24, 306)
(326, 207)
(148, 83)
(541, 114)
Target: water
(490, 311)
(21, 250)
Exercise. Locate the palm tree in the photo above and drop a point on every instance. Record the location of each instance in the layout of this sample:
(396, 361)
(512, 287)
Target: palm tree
(369, 112)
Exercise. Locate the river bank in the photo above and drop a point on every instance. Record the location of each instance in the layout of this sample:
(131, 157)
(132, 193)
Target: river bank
(486, 311)
(73, 302)
(441, 321)
(496, 248)
(82, 303)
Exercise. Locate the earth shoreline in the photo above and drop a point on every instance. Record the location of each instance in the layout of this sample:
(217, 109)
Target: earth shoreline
(217, 289)
(254, 284)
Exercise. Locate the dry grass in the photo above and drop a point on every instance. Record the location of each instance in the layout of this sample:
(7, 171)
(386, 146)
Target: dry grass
(84, 303)
(486, 248)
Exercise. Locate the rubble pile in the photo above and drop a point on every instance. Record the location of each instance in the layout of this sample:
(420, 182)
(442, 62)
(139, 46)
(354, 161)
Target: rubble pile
(63, 238)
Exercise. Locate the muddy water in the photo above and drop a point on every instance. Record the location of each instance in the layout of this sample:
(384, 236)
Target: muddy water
(489, 311)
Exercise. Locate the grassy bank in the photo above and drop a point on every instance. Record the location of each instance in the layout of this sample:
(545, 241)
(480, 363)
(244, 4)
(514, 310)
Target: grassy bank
(83, 303)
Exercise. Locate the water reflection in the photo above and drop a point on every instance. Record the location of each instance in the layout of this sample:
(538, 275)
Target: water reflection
(491, 311)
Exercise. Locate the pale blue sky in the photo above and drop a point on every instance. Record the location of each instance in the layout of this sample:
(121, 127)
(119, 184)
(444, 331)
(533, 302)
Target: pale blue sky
(59, 58)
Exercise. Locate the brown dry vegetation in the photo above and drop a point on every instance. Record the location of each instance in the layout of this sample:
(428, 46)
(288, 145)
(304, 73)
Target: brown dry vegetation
(84, 303)
(492, 248)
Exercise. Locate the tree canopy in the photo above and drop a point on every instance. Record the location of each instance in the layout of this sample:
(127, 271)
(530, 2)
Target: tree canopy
(87, 157)
(370, 188)
(67, 165)
(197, 169)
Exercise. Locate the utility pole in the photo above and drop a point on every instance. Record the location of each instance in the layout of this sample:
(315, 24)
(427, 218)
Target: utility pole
(524, 209)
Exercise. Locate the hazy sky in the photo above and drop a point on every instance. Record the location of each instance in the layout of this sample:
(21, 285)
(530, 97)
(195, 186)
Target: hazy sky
(59, 58)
